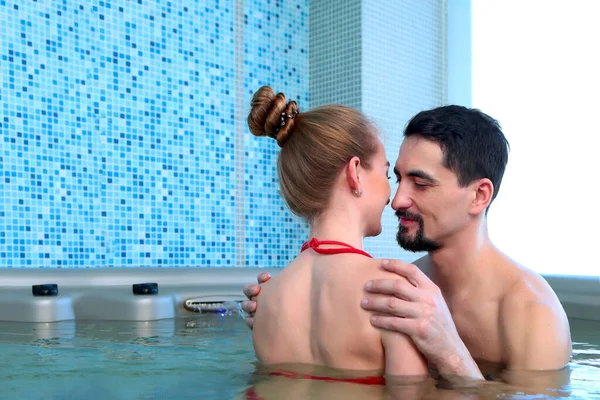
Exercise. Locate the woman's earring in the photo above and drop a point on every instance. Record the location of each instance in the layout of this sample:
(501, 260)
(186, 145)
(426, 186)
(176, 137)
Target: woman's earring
(356, 192)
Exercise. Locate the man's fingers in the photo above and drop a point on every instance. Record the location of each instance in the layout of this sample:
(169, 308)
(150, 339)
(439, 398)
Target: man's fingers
(402, 325)
(251, 290)
(400, 288)
(409, 271)
(249, 306)
(390, 306)
(263, 277)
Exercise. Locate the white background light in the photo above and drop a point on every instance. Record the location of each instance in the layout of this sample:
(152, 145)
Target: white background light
(536, 68)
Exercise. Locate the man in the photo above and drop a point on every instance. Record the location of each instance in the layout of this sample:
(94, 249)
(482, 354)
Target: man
(466, 300)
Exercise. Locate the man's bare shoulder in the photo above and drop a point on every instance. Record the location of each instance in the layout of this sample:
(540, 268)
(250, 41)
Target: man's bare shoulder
(528, 289)
(534, 324)
(531, 302)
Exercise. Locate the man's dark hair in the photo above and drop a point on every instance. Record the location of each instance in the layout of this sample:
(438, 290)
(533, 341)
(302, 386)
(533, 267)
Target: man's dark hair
(472, 142)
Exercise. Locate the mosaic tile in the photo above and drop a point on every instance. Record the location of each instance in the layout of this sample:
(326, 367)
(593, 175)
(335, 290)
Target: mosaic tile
(123, 140)
(117, 142)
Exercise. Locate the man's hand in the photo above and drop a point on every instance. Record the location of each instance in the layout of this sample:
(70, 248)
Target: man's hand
(416, 308)
(251, 291)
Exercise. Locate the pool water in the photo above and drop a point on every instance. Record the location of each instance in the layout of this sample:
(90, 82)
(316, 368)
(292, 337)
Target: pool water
(201, 357)
(585, 365)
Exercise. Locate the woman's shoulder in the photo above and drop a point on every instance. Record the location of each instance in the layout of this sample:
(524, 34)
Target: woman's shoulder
(353, 268)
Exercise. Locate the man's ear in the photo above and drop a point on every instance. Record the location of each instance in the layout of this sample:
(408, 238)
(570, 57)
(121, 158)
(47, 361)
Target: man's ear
(483, 190)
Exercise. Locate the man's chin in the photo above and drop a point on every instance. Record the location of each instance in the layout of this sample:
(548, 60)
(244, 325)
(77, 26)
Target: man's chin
(414, 244)
(409, 247)
(406, 242)
(406, 236)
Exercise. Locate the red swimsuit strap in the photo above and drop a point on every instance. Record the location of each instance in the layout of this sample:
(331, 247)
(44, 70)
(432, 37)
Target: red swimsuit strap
(366, 380)
(346, 248)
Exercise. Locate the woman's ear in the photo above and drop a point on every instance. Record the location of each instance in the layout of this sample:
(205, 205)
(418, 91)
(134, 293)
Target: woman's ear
(352, 174)
(483, 190)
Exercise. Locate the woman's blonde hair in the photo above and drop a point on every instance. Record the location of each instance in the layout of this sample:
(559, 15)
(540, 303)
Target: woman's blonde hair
(315, 146)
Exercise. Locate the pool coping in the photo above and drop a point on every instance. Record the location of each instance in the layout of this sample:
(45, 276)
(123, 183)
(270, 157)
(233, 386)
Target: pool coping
(107, 293)
(579, 295)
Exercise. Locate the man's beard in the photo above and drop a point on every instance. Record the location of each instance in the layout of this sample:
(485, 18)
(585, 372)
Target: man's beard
(419, 242)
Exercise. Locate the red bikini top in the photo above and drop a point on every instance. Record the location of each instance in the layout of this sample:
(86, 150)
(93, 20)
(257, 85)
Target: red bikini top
(346, 248)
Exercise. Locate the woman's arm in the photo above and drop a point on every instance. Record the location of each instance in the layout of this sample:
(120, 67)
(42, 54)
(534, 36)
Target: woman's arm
(401, 356)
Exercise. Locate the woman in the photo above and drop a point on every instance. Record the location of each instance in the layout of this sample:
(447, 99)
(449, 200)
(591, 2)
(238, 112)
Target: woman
(333, 173)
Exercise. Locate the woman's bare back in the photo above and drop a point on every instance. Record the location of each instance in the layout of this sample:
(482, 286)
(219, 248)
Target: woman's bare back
(310, 314)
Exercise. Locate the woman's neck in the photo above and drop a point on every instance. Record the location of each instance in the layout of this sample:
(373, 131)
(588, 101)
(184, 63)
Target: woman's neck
(337, 225)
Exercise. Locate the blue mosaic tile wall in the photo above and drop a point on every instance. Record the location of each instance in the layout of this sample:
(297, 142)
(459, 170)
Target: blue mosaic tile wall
(120, 132)
(271, 58)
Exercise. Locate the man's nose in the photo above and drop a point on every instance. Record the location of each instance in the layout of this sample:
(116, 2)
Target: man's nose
(401, 200)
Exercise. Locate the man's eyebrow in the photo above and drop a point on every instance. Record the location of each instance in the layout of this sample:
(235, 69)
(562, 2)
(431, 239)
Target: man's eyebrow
(417, 173)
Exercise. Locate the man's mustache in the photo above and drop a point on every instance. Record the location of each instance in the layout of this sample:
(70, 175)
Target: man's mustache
(408, 215)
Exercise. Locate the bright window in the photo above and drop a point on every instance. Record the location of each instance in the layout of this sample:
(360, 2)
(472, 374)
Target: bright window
(536, 68)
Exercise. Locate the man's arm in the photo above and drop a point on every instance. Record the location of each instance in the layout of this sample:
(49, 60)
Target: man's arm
(415, 307)
(537, 336)
(537, 340)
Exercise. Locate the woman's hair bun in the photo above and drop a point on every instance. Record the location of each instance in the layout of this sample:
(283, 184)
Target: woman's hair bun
(272, 115)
